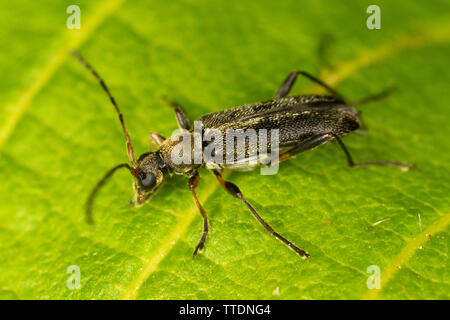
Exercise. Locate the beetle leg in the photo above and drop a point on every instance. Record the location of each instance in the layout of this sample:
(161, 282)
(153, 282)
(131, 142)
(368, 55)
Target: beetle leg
(351, 163)
(309, 143)
(182, 119)
(193, 183)
(290, 80)
(287, 85)
(232, 189)
(156, 138)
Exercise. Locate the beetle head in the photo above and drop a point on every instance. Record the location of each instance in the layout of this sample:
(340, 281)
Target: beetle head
(149, 176)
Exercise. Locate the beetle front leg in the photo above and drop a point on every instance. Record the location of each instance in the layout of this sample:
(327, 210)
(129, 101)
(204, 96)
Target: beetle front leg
(182, 119)
(351, 163)
(155, 138)
(193, 183)
(233, 189)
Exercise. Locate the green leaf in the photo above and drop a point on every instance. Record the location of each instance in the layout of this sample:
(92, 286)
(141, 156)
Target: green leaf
(59, 135)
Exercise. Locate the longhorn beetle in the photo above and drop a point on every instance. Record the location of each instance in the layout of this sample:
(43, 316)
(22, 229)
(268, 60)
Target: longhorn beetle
(304, 122)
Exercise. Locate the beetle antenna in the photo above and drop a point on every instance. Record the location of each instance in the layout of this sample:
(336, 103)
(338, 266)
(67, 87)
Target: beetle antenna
(100, 184)
(113, 101)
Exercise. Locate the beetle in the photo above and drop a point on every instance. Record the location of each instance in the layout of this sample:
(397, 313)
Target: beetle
(304, 122)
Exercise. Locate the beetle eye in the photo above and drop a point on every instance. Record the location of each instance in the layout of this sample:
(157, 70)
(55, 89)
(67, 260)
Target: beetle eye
(147, 179)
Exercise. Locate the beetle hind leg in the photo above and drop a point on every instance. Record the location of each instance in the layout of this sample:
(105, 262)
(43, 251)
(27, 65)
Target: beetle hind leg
(305, 145)
(317, 140)
(352, 164)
